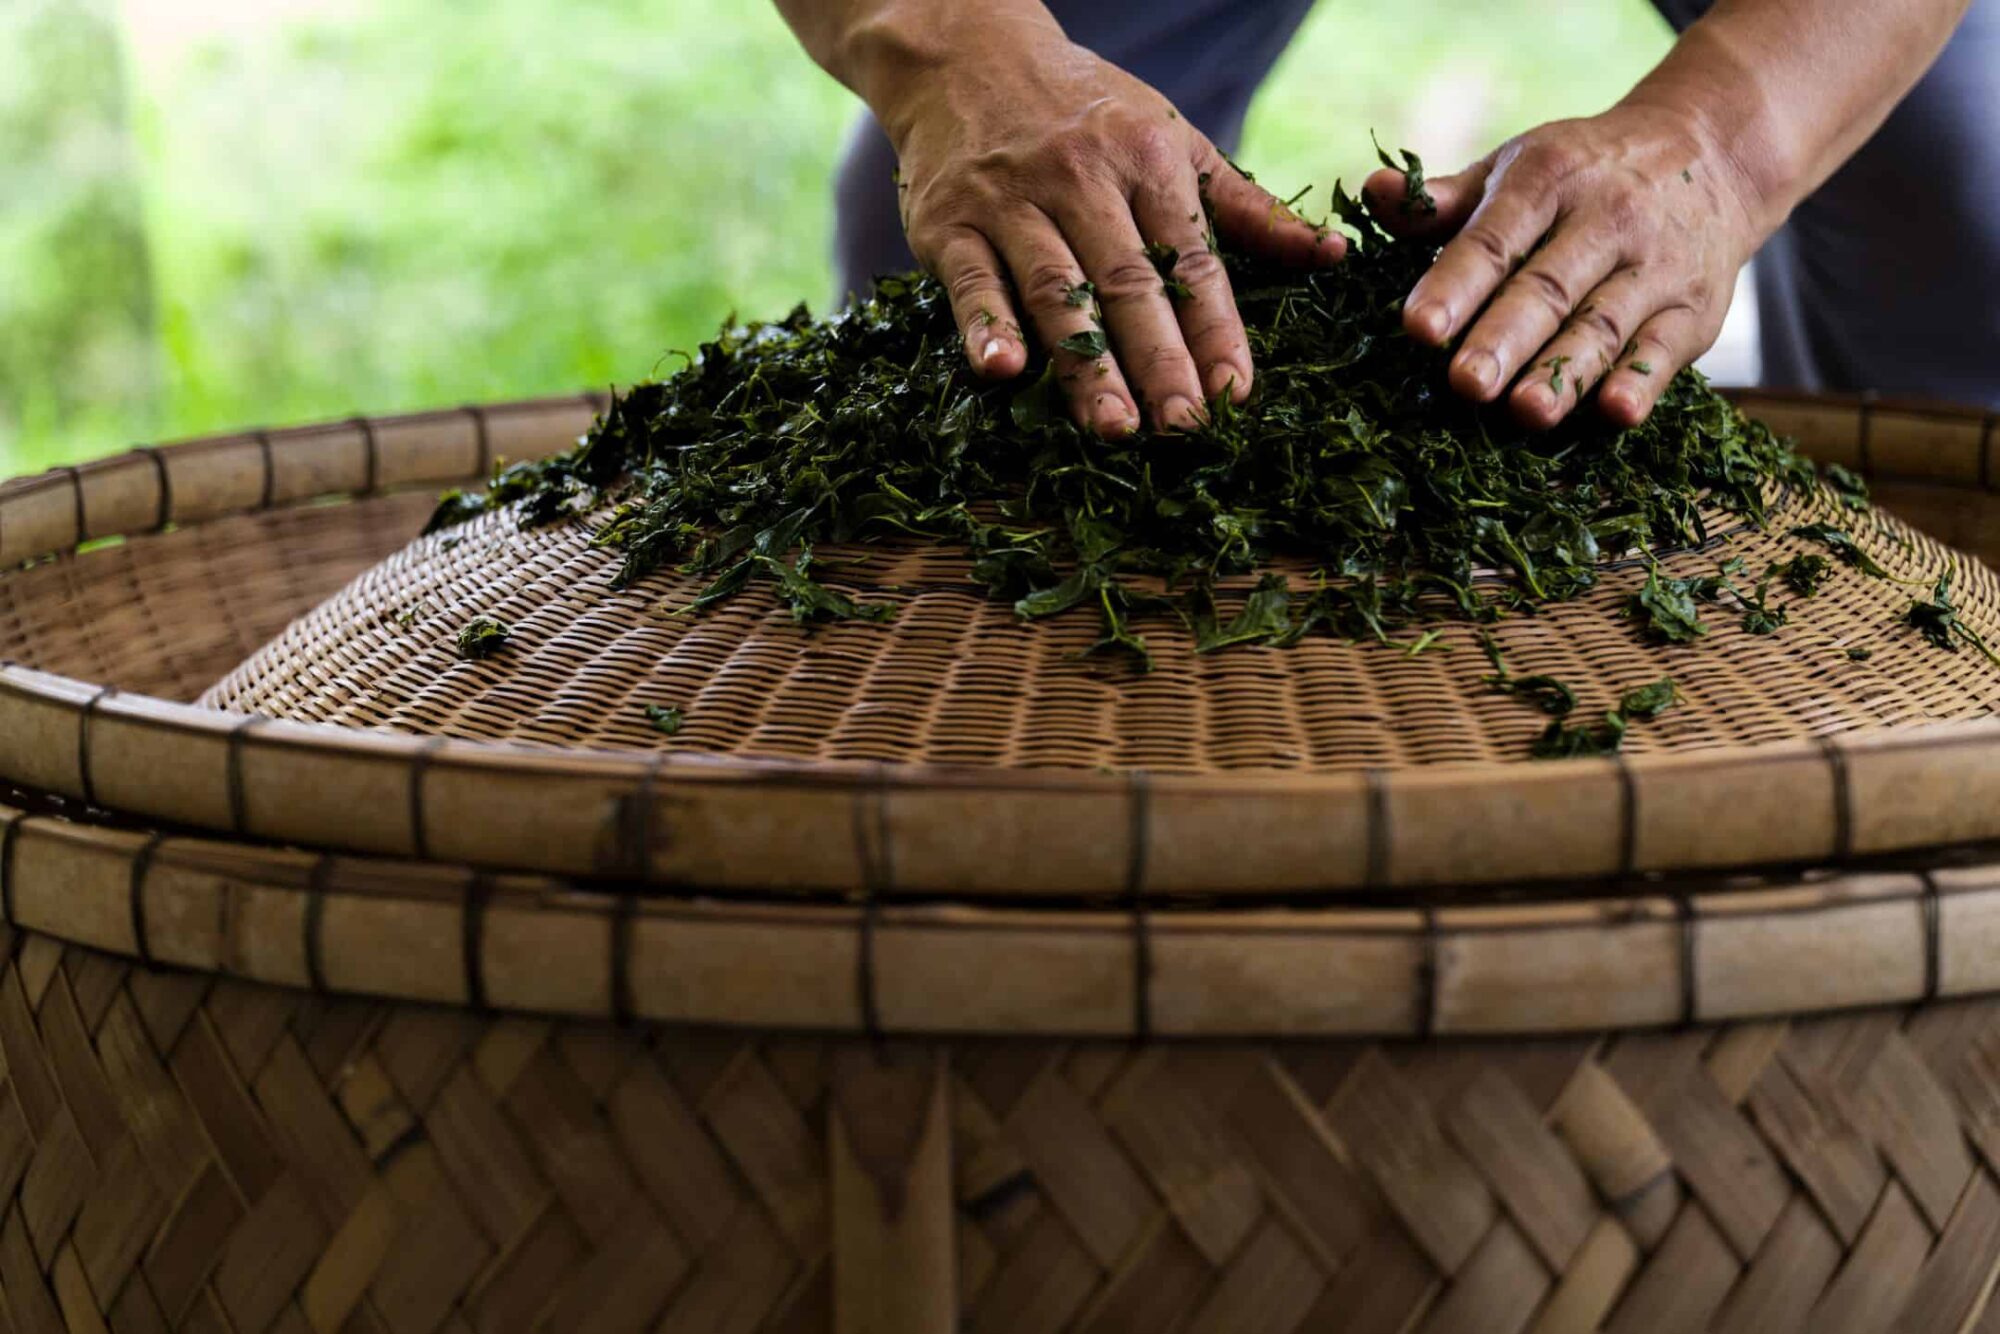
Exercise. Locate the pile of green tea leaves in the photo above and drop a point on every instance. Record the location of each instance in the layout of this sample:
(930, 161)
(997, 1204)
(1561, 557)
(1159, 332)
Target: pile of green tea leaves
(1352, 453)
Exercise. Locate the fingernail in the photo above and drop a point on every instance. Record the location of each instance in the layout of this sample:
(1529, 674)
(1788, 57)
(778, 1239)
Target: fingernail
(1110, 415)
(1180, 414)
(1483, 369)
(1223, 378)
(993, 349)
(1430, 320)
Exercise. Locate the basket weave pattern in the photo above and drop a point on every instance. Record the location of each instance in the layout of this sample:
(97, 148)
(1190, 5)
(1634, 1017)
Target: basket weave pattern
(190, 1153)
(957, 679)
(282, 1134)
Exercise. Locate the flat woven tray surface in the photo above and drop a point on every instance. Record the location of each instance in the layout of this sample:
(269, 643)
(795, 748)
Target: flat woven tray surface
(959, 679)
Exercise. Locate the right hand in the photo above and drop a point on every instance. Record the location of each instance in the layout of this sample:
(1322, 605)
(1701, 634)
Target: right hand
(1030, 167)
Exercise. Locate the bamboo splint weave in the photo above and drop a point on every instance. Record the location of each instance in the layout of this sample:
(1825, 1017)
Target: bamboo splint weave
(255, 1088)
(1717, 786)
(958, 679)
(183, 1152)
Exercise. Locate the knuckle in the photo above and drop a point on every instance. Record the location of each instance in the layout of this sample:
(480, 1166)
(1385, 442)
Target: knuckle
(1593, 319)
(1547, 288)
(1151, 146)
(970, 283)
(1128, 279)
(1046, 285)
(1621, 208)
(1486, 243)
(1218, 332)
(1549, 157)
(1199, 266)
(1160, 365)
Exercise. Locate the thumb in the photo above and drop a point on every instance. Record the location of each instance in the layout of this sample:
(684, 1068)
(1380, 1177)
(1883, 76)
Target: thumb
(1403, 211)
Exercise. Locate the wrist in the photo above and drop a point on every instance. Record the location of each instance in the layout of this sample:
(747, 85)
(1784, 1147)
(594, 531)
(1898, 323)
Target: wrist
(898, 55)
(1726, 102)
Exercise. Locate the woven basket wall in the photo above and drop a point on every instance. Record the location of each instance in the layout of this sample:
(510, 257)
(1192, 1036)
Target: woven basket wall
(250, 1087)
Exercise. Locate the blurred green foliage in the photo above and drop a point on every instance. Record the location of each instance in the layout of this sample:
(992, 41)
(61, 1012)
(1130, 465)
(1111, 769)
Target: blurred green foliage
(76, 312)
(230, 213)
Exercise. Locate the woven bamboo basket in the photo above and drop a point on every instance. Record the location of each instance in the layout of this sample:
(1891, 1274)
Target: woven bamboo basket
(354, 988)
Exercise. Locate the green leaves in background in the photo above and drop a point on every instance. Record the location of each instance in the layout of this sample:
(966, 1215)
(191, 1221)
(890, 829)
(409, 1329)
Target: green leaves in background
(358, 205)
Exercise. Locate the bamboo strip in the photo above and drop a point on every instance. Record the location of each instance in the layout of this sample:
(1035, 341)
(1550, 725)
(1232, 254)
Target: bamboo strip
(741, 823)
(431, 933)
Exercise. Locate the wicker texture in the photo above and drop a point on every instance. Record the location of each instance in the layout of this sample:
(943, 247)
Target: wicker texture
(1032, 822)
(196, 1150)
(957, 679)
(135, 617)
(184, 1153)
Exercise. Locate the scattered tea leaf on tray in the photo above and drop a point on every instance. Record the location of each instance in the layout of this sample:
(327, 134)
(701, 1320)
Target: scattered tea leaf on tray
(1650, 701)
(1352, 454)
(482, 637)
(1665, 606)
(666, 721)
(1842, 544)
(1937, 620)
(1570, 741)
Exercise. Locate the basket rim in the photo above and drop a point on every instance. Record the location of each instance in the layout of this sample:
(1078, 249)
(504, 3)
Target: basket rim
(608, 813)
(1710, 950)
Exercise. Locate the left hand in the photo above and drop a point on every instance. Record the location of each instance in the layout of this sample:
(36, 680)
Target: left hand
(1598, 253)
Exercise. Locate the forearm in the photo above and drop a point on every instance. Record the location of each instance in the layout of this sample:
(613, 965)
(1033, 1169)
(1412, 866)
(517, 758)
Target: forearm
(1789, 89)
(884, 50)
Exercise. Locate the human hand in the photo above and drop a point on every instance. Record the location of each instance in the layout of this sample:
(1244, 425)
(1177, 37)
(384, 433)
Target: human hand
(1586, 253)
(1039, 180)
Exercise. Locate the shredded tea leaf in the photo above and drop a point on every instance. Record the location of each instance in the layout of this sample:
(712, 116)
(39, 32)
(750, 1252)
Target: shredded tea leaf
(1842, 544)
(482, 637)
(665, 721)
(1937, 621)
(1412, 505)
(1650, 701)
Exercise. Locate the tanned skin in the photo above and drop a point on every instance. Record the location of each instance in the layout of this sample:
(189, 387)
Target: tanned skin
(1029, 166)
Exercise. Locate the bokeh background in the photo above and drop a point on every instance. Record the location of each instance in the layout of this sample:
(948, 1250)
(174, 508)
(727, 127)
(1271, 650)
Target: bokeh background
(217, 213)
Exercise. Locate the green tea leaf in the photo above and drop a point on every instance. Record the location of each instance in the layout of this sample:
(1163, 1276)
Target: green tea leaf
(1842, 544)
(1565, 741)
(1666, 608)
(1650, 701)
(1089, 343)
(482, 637)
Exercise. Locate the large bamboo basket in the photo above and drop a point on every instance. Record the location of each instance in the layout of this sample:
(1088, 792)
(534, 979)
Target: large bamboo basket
(308, 1028)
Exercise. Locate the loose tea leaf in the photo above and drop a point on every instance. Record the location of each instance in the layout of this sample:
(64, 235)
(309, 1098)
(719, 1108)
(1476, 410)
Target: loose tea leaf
(1565, 741)
(1416, 195)
(1090, 343)
(1665, 606)
(665, 721)
(1937, 621)
(1650, 701)
(482, 637)
(1849, 486)
(1842, 544)
(1413, 505)
(1806, 574)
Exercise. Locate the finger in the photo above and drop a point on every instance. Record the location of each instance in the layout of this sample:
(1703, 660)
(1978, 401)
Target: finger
(970, 271)
(1252, 217)
(1169, 214)
(1145, 331)
(1666, 342)
(1496, 238)
(1528, 310)
(1387, 194)
(1062, 310)
(1584, 351)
